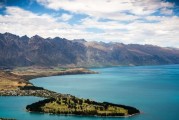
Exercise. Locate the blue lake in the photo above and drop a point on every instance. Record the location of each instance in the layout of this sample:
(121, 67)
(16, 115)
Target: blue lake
(154, 90)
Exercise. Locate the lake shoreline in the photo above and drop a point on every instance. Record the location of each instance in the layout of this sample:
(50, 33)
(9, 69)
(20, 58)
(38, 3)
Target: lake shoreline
(87, 115)
(31, 90)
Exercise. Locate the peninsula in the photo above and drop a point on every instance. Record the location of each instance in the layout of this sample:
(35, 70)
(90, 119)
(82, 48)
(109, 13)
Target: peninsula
(16, 83)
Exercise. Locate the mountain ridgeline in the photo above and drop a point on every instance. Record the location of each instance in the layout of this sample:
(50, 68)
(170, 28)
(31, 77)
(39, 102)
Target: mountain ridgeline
(24, 51)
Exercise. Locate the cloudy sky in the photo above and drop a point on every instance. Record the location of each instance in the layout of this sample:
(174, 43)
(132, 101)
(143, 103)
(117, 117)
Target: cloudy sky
(127, 21)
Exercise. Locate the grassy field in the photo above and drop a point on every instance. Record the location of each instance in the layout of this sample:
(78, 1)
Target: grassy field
(12, 79)
(9, 81)
(34, 72)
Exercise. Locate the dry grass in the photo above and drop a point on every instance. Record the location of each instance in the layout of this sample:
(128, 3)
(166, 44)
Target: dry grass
(9, 85)
(9, 81)
(20, 76)
(30, 73)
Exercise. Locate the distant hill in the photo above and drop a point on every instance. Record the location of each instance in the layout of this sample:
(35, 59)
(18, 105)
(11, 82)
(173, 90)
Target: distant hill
(24, 51)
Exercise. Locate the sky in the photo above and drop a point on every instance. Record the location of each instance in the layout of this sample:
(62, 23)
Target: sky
(126, 21)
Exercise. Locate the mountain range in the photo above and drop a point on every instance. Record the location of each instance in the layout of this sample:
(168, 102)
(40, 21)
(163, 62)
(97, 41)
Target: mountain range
(16, 51)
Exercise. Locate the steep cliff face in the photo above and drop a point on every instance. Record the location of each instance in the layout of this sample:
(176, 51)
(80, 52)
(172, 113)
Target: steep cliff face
(12, 50)
(55, 51)
(25, 51)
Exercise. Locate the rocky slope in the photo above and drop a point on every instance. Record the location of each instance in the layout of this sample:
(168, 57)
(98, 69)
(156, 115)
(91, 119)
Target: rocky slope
(24, 51)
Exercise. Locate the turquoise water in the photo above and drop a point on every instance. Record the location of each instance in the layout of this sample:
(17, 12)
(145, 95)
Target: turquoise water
(154, 90)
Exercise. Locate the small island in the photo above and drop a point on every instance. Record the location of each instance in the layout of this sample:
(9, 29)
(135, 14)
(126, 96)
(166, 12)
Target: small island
(16, 83)
(74, 106)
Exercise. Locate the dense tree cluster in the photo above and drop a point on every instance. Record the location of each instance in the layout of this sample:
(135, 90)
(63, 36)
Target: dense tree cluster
(73, 105)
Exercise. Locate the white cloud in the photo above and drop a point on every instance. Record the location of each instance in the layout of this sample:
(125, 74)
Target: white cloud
(147, 7)
(164, 32)
(104, 8)
(109, 25)
(23, 22)
(166, 11)
(65, 17)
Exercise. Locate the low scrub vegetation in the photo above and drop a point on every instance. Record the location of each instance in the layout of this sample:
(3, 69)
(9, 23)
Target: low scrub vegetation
(73, 105)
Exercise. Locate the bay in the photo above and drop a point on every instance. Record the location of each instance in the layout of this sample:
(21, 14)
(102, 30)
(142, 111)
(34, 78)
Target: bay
(154, 90)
